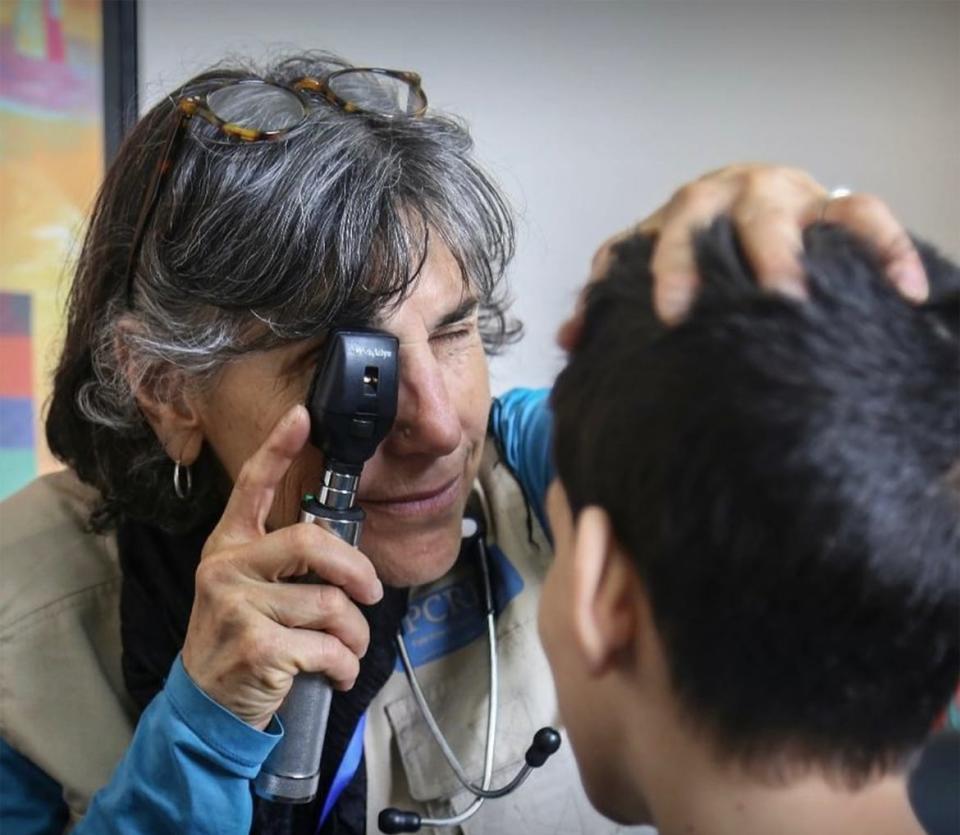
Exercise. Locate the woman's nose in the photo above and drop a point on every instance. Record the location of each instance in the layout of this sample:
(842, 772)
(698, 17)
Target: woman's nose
(427, 422)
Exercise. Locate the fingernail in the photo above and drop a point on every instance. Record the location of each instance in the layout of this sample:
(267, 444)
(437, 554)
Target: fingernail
(378, 591)
(910, 280)
(793, 288)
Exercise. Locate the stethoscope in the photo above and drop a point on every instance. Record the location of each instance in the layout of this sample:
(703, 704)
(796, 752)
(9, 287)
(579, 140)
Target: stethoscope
(546, 741)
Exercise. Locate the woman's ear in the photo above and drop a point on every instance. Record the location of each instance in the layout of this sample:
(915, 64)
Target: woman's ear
(165, 398)
(606, 592)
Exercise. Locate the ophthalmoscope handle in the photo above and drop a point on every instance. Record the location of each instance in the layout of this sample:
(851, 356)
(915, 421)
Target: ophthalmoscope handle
(291, 773)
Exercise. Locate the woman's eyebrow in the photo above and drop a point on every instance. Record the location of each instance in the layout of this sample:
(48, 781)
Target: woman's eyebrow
(462, 311)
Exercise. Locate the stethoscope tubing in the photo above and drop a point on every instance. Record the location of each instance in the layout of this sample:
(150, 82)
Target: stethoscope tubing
(545, 743)
(440, 739)
(483, 791)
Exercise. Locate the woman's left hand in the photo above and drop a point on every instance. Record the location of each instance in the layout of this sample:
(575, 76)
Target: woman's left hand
(770, 206)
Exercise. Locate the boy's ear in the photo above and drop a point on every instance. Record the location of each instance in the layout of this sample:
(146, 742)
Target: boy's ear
(606, 592)
(166, 401)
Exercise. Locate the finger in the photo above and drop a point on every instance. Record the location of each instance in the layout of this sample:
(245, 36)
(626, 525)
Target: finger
(305, 548)
(673, 262)
(321, 652)
(316, 606)
(650, 225)
(252, 496)
(769, 215)
(772, 241)
(871, 220)
(569, 333)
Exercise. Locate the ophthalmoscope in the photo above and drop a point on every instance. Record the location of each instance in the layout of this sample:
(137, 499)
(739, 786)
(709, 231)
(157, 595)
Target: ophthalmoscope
(352, 404)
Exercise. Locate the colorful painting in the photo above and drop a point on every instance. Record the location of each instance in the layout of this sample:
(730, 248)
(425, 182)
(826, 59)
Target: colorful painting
(51, 162)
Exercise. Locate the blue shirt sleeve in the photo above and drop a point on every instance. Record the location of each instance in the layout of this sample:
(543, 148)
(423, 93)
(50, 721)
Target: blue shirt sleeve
(522, 422)
(187, 769)
(30, 802)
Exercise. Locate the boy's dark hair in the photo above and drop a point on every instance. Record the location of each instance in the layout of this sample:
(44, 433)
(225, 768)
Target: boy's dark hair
(787, 477)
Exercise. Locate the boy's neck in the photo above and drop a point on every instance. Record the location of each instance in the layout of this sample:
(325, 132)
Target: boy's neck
(690, 794)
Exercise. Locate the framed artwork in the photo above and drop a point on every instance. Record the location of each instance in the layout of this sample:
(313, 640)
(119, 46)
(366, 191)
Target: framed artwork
(67, 94)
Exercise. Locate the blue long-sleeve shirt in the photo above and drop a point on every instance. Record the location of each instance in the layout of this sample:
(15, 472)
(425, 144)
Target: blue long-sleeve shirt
(191, 761)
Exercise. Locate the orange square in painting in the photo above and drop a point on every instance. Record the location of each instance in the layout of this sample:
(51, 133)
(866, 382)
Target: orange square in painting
(16, 371)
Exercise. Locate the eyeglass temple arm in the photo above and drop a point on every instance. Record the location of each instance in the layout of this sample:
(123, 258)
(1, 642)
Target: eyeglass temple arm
(164, 166)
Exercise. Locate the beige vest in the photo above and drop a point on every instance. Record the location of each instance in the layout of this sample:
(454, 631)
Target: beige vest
(63, 703)
(64, 706)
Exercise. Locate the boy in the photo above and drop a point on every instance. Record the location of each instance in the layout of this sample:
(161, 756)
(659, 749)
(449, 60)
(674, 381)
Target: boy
(753, 617)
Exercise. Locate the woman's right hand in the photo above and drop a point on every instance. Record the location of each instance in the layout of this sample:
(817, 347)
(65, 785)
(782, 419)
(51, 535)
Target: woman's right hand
(249, 632)
(770, 206)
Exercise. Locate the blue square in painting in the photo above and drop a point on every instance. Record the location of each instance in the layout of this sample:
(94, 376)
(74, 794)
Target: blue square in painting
(16, 422)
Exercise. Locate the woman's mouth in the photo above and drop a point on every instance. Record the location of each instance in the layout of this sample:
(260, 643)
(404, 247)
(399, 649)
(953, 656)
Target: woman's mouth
(429, 502)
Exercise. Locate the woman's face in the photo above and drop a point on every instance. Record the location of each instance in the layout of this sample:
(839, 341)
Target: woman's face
(415, 487)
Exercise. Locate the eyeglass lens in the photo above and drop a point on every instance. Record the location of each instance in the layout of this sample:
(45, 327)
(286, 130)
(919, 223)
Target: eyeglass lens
(377, 93)
(267, 107)
(262, 107)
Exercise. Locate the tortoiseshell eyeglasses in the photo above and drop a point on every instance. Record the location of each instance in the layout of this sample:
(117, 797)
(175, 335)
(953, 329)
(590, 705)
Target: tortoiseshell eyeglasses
(253, 110)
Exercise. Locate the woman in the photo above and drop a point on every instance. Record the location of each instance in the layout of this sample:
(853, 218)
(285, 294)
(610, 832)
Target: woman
(148, 640)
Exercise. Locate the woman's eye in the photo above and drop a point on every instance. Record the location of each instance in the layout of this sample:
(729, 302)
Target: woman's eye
(453, 336)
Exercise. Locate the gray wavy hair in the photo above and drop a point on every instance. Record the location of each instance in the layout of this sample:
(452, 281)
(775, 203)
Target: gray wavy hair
(250, 246)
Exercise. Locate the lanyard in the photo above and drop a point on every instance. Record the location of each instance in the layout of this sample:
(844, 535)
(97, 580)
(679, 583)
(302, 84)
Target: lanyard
(345, 771)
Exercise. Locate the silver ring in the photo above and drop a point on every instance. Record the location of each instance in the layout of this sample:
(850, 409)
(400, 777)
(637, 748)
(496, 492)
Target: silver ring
(833, 194)
(182, 486)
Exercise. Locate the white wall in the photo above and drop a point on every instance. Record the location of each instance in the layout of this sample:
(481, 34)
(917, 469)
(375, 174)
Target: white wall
(591, 113)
